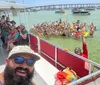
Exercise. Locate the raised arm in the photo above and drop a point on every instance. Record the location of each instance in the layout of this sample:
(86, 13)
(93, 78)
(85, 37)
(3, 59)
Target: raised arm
(83, 39)
(84, 47)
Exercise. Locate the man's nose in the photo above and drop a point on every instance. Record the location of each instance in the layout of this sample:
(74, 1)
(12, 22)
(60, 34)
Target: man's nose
(24, 64)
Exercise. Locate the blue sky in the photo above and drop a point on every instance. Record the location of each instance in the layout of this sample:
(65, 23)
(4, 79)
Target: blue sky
(49, 2)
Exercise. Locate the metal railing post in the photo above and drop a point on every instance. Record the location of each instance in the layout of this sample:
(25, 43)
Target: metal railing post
(90, 68)
(55, 56)
(19, 16)
(38, 45)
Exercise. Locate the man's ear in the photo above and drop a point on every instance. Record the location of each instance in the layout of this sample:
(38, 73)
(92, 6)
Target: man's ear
(7, 60)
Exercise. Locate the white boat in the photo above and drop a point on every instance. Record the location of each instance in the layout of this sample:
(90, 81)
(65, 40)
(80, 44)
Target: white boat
(98, 7)
(60, 11)
(90, 8)
(80, 11)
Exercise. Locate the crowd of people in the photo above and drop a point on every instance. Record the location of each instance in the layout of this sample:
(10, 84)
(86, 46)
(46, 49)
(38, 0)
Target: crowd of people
(19, 67)
(63, 28)
(12, 35)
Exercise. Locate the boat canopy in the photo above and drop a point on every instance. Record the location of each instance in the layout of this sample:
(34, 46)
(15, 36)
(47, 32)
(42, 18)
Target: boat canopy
(10, 5)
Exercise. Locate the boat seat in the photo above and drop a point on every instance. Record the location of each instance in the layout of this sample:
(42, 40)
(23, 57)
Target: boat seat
(2, 68)
(46, 70)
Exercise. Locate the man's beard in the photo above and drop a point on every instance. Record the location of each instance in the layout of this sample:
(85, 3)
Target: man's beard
(11, 78)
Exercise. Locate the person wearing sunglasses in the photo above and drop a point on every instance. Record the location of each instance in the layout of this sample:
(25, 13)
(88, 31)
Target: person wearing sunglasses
(19, 68)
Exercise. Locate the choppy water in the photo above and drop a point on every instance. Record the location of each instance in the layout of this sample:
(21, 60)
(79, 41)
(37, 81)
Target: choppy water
(47, 16)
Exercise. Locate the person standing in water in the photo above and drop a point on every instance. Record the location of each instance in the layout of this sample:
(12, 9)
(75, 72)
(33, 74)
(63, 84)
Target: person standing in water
(78, 51)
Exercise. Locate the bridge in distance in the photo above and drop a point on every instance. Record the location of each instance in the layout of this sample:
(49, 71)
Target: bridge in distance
(63, 6)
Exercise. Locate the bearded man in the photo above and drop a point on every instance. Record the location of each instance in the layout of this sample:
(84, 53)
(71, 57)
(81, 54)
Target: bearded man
(19, 69)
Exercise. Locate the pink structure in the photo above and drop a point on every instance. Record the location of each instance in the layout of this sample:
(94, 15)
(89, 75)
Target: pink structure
(60, 58)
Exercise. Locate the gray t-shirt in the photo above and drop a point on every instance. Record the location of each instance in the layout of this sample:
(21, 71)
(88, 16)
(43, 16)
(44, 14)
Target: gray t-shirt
(22, 41)
(1, 83)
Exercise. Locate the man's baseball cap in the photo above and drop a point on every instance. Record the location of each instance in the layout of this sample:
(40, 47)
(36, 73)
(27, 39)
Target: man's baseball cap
(23, 49)
(12, 22)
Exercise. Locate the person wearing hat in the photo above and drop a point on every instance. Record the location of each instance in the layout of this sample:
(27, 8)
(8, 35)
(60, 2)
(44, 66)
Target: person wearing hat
(23, 37)
(78, 51)
(19, 68)
(13, 23)
(2, 20)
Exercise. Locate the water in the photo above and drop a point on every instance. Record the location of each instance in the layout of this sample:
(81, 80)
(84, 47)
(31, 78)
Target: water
(47, 16)
(50, 16)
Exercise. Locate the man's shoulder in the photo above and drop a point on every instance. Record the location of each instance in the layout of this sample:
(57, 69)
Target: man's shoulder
(1, 74)
(1, 83)
(1, 78)
(33, 83)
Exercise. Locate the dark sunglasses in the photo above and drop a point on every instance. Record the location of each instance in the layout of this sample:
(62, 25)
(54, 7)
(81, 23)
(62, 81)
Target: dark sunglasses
(20, 60)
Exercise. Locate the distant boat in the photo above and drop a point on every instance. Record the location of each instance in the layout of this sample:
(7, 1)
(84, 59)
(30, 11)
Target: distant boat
(98, 7)
(80, 11)
(60, 11)
(34, 10)
(90, 8)
(22, 10)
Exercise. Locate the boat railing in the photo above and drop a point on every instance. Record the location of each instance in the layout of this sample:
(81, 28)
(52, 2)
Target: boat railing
(61, 59)
(43, 68)
(89, 79)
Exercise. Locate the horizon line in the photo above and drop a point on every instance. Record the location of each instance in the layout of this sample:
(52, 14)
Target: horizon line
(64, 4)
